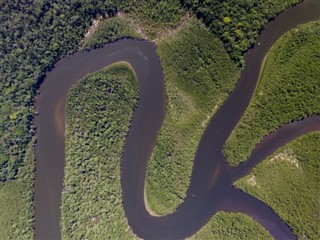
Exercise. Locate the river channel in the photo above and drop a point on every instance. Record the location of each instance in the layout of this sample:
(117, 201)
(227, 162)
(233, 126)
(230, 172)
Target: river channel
(211, 187)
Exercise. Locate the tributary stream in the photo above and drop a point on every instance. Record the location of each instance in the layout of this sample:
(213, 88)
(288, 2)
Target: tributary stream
(211, 187)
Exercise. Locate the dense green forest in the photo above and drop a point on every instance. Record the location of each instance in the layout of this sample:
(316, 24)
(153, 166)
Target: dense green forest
(218, 226)
(195, 88)
(231, 226)
(288, 90)
(35, 34)
(237, 22)
(98, 112)
(16, 201)
(289, 182)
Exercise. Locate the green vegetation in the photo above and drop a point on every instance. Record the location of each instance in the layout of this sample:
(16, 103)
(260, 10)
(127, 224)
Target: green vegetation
(237, 22)
(288, 181)
(33, 37)
(98, 112)
(156, 16)
(231, 226)
(288, 90)
(195, 87)
(16, 215)
(110, 30)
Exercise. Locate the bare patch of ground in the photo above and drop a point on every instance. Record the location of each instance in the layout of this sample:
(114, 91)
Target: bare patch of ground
(288, 156)
(173, 31)
(252, 181)
(137, 26)
(161, 35)
(93, 27)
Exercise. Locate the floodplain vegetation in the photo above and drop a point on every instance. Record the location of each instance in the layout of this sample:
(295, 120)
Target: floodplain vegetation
(34, 36)
(86, 209)
(237, 22)
(231, 226)
(288, 181)
(288, 89)
(195, 88)
(16, 201)
(98, 112)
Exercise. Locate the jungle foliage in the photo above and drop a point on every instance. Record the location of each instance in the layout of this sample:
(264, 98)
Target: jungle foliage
(16, 201)
(237, 22)
(288, 182)
(98, 112)
(231, 226)
(35, 34)
(195, 88)
(288, 90)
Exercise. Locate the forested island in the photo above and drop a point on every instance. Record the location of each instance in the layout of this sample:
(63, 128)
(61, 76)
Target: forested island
(201, 47)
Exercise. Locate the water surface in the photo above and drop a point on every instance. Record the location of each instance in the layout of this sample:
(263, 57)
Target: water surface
(211, 187)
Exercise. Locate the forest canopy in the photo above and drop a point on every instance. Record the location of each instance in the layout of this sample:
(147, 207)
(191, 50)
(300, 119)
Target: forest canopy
(34, 35)
(237, 22)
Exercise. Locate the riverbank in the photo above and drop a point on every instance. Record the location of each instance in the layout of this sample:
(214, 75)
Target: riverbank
(195, 87)
(98, 111)
(288, 181)
(109, 30)
(287, 91)
(231, 226)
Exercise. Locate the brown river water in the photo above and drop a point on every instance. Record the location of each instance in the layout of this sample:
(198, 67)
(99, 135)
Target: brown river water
(210, 188)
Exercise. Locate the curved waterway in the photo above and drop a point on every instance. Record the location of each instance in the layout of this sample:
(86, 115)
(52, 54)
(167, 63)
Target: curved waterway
(211, 187)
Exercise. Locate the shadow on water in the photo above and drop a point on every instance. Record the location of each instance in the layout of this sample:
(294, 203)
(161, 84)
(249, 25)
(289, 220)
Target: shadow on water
(210, 188)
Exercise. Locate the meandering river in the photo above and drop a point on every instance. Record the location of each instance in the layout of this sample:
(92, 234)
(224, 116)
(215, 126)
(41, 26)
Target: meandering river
(211, 187)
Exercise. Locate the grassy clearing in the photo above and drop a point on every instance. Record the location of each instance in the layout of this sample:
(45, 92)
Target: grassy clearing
(17, 212)
(109, 30)
(231, 226)
(288, 181)
(98, 112)
(288, 90)
(199, 74)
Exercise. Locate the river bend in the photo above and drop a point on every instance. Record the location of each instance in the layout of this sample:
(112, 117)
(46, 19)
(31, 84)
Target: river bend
(211, 187)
